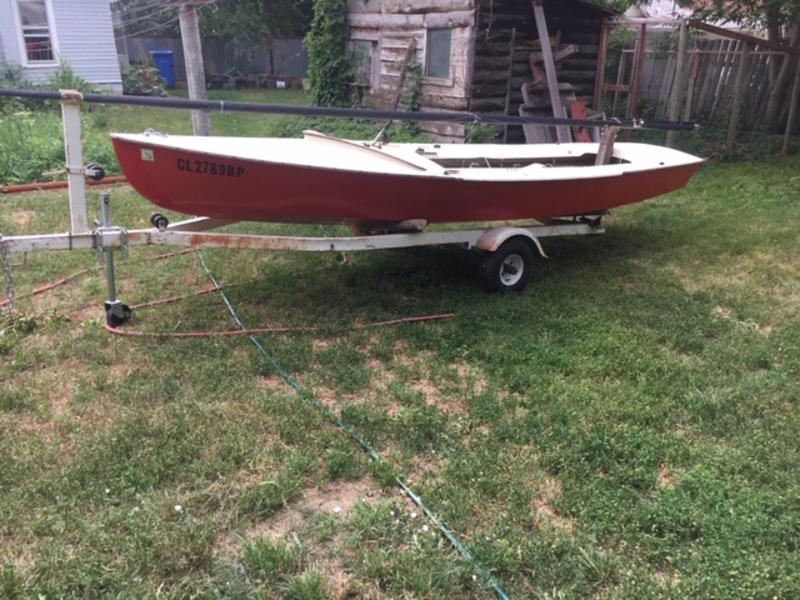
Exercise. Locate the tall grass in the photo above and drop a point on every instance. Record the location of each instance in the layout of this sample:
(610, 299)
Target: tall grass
(32, 144)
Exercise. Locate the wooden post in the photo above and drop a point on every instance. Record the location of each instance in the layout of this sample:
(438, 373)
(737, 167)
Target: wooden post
(687, 110)
(619, 85)
(636, 82)
(738, 95)
(510, 75)
(563, 133)
(600, 75)
(676, 102)
(195, 72)
(791, 122)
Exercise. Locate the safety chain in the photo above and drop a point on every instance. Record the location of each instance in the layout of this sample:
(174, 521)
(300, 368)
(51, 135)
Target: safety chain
(5, 262)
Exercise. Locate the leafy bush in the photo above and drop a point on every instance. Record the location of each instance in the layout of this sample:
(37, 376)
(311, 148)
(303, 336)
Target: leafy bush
(65, 78)
(13, 76)
(328, 68)
(143, 80)
(32, 144)
(481, 133)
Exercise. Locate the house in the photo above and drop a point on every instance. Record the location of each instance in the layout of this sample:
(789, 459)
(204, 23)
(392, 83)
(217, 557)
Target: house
(670, 9)
(38, 35)
(465, 53)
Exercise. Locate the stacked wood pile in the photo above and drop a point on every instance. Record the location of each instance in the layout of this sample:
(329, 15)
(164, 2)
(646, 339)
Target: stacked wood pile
(569, 22)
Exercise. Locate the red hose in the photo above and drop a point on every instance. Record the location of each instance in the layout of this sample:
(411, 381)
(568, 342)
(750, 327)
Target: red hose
(264, 330)
(207, 334)
(56, 185)
(64, 280)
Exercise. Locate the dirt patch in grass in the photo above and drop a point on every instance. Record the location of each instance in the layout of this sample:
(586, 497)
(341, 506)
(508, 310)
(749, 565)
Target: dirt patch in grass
(544, 514)
(336, 499)
(272, 383)
(727, 314)
(665, 477)
(22, 217)
(473, 380)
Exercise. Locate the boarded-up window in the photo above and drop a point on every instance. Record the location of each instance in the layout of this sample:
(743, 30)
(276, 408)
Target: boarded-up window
(361, 52)
(36, 34)
(437, 53)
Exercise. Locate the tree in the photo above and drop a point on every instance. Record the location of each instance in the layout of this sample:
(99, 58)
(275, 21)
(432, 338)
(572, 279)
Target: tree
(252, 22)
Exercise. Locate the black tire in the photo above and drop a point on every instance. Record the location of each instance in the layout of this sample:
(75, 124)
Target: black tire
(98, 173)
(159, 221)
(507, 269)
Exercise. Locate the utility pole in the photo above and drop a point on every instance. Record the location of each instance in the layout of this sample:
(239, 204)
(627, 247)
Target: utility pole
(193, 58)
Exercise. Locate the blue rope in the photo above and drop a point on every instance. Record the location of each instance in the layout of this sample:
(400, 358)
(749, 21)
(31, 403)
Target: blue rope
(358, 440)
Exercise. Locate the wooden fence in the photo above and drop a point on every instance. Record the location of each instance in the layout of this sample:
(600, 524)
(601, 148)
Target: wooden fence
(711, 66)
(723, 75)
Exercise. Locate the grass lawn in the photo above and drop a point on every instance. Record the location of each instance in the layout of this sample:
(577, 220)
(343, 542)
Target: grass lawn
(626, 428)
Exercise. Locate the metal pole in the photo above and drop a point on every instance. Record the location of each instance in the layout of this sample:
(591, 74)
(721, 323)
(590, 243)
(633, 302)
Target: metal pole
(73, 152)
(350, 113)
(108, 253)
(195, 72)
(117, 313)
(679, 84)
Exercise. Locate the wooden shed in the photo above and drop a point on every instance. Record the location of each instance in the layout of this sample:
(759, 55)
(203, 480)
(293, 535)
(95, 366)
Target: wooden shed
(474, 54)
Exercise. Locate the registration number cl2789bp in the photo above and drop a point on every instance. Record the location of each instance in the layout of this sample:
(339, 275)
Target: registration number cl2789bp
(209, 167)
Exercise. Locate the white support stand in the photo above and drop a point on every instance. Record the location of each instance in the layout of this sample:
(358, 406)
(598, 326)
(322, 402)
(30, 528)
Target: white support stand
(73, 151)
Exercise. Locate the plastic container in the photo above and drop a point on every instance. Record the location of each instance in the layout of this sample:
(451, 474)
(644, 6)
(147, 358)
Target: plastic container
(165, 64)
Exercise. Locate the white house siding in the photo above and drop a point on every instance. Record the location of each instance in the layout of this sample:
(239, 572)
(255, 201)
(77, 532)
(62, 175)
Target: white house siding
(84, 40)
(6, 32)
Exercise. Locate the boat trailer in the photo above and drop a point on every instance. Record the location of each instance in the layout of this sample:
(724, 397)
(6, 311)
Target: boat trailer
(507, 252)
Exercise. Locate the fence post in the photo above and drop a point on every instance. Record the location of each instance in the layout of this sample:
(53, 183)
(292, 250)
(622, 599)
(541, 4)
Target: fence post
(679, 84)
(791, 122)
(738, 94)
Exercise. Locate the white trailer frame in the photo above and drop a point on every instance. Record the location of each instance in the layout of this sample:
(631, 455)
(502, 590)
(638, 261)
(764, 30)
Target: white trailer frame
(108, 238)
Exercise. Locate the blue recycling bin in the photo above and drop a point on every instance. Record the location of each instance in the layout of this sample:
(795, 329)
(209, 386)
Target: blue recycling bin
(162, 59)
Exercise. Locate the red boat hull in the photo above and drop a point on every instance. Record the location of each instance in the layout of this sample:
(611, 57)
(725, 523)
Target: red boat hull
(250, 190)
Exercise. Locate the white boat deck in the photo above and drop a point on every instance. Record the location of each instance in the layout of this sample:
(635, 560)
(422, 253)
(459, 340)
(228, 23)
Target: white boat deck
(321, 151)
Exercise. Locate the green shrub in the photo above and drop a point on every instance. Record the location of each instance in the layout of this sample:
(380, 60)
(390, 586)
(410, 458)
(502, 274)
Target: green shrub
(328, 68)
(13, 76)
(65, 78)
(143, 80)
(31, 143)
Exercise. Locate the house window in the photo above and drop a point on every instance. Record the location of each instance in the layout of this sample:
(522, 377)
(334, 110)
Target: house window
(36, 33)
(437, 53)
(361, 53)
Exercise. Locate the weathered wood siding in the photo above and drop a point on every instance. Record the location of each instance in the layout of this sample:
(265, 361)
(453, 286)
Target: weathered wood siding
(392, 24)
(574, 21)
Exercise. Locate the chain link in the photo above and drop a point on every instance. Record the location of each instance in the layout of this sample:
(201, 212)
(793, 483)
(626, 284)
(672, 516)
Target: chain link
(5, 262)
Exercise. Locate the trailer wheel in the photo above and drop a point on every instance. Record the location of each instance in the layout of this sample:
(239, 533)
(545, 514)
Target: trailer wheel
(508, 268)
(159, 221)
